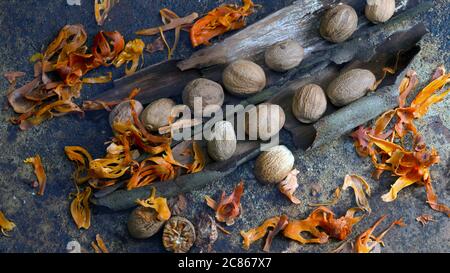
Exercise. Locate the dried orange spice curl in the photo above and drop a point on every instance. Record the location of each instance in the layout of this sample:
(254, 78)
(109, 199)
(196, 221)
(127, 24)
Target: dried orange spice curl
(385, 145)
(228, 208)
(218, 21)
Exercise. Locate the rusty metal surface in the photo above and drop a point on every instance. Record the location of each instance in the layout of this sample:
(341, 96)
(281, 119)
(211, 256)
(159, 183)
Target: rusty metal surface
(44, 223)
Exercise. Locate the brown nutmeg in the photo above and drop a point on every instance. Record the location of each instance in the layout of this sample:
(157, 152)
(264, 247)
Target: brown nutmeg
(210, 92)
(143, 223)
(273, 165)
(309, 103)
(379, 11)
(338, 23)
(223, 143)
(284, 55)
(122, 112)
(350, 86)
(157, 114)
(264, 121)
(243, 78)
(178, 235)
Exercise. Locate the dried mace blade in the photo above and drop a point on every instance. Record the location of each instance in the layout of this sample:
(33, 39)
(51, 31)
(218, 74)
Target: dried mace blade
(5, 224)
(254, 234)
(99, 245)
(159, 204)
(102, 9)
(228, 208)
(361, 188)
(79, 208)
(218, 21)
(39, 172)
(289, 185)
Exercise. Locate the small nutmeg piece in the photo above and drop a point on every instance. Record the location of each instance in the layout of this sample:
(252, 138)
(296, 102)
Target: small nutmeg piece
(273, 165)
(379, 11)
(309, 103)
(143, 223)
(210, 93)
(350, 86)
(338, 23)
(178, 235)
(284, 55)
(157, 114)
(243, 78)
(264, 121)
(223, 143)
(122, 112)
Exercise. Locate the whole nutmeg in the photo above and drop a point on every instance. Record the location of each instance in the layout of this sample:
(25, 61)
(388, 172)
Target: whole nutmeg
(338, 23)
(122, 112)
(309, 103)
(350, 86)
(379, 11)
(284, 55)
(264, 121)
(143, 223)
(178, 235)
(223, 143)
(157, 114)
(210, 93)
(243, 78)
(273, 165)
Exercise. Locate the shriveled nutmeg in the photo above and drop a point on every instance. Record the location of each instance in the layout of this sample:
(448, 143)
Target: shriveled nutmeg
(210, 92)
(309, 103)
(157, 114)
(264, 121)
(350, 86)
(178, 235)
(122, 112)
(143, 223)
(273, 165)
(379, 11)
(284, 55)
(338, 23)
(243, 78)
(223, 143)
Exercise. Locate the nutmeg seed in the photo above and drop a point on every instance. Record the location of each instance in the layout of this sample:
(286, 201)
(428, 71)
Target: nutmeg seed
(264, 121)
(350, 86)
(338, 23)
(223, 144)
(273, 165)
(122, 112)
(379, 11)
(157, 114)
(243, 78)
(143, 223)
(309, 103)
(284, 55)
(210, 92)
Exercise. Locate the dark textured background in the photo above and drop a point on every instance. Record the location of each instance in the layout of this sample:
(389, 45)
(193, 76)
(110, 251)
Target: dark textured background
(44, 223)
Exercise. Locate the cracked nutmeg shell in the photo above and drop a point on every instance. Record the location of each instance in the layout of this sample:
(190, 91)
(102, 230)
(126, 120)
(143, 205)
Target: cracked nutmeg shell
(210, 92)
(122, 112)
(350, 86)
(338, 23)
(379, 11)
(178, 235)
(273, 165)
(143, 223)
(284, 55)
(243, 78)
(309, 103)
(157, 114)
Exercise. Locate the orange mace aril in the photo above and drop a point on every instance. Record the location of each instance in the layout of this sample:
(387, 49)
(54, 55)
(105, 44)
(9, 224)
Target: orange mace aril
(228, 208)
(380, 142)
(5, 224)
(218, 21)
(39, 172)
(79, 208)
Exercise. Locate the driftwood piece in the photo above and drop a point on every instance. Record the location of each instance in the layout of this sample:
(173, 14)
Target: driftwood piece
(299, 21)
